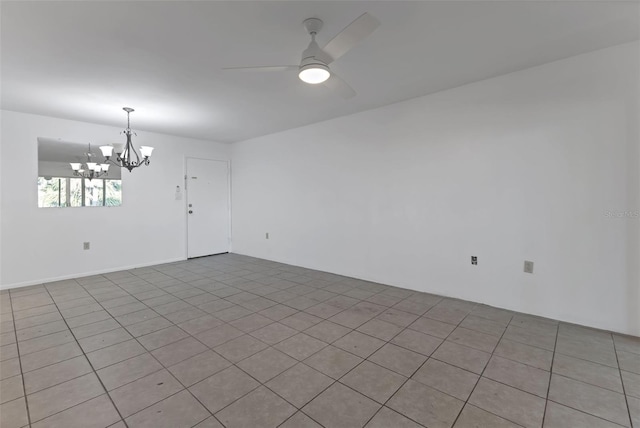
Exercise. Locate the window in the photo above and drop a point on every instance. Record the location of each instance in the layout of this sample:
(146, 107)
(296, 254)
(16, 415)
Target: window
(52, 192)
(78, 192)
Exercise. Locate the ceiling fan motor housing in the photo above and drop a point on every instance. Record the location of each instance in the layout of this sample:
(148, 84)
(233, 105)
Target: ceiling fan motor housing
(313, 70)
(313, 25)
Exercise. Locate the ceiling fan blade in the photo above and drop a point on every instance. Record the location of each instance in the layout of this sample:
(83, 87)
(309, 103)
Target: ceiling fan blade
(353, 34)
(265, 68)
(339, 86)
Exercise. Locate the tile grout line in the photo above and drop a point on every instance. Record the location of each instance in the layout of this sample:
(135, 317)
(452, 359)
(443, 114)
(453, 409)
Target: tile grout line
(430, 357)
(254, 312)
(148, 352)
(298, 310)
(354, 329)
(624, 391)
(407, 377)
(232, 364)
(185, 388)
(208, 347)
(553, 360)
(481, 375)
(90, 365)
(366, 359)
(261, 384)
(24, 388)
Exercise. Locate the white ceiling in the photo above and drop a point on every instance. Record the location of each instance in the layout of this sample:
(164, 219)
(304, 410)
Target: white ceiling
(86, 60)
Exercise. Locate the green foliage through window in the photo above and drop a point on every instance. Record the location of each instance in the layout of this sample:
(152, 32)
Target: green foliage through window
(78, 192)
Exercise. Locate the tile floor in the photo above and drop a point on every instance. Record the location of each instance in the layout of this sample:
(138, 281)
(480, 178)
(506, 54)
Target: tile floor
(236, 341)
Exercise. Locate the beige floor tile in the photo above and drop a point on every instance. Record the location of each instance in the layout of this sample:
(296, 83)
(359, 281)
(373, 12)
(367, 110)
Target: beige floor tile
(299, 384)
(474, 417)
(267, 364)
(339, 406)
(588, 372)
(13, 414)
(374, 381)
(223, 388)
(447, 378)
(529, 355)
(359, 344)
(95, 413)
(179, 410)
(386, 418)
(426, 405)
(417, 342)
(54, 374)
(596, 401)
(333, 362)
(300, 346)
(466, 358)
(259, 408)
(142, 393)
(398, 359)
(509, 403)
(240, 348)
(559, 416)
(198, 367)
(63, 396)
(521, 376)
(127, 371)
(300, 420)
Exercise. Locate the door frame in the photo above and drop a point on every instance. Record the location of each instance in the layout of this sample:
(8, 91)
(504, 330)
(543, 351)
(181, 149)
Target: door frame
(186, 200)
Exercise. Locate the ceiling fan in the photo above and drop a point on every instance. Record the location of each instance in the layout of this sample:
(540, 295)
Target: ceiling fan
(314, 67)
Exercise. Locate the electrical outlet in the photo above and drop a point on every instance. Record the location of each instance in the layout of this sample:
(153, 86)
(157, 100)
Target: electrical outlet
(528, 266)
(474, 260)
(266, 235)
(87, 246)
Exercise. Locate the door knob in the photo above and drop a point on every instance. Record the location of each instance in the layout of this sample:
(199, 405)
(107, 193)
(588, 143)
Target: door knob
(190, 211)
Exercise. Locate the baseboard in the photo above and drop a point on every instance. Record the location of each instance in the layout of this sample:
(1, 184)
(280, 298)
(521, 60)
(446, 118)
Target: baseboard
(633, 331)
(91, 273)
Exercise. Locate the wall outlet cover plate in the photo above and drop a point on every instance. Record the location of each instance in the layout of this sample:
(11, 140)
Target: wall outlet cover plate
(528, 266)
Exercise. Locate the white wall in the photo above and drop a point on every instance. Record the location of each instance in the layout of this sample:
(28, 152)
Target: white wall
(522, 166)
(43, 244)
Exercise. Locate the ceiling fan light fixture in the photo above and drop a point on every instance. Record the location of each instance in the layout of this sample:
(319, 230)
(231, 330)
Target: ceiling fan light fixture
(314, 73)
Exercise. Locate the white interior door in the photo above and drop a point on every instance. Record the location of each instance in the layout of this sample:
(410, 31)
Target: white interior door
(208, 217)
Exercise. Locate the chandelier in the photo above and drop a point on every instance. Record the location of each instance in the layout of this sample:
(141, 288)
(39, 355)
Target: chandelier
(126, 155)
(90, 169)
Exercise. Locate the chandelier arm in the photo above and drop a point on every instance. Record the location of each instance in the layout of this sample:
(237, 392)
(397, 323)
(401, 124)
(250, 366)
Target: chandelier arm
(90, 176)
(111, 161)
